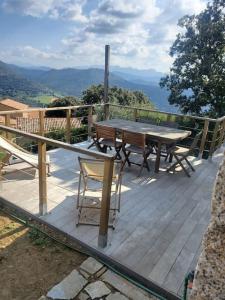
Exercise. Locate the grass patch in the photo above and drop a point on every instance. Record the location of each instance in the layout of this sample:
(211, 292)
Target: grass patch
(44, 99)
(39, 239)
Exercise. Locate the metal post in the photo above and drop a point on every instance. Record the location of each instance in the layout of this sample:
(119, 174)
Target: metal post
(106, 111)
(106, 76)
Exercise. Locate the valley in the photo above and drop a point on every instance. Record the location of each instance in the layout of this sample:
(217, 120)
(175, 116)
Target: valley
(37, 86)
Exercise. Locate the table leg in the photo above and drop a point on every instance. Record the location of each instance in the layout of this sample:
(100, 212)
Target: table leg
(158, 155)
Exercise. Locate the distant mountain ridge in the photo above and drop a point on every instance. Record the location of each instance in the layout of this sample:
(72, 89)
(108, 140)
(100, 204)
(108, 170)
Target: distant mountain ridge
(71, 81)
(134, 75)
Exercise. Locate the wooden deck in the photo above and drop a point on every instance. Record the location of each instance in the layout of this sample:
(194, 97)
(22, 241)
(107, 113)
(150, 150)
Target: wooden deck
(161, 223)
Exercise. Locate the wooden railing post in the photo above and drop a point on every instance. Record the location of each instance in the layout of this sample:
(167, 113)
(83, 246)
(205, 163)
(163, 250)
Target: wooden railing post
(7, 123)
(90, 122)
(105, 205)
(42, 122)
(168, 118)
(106, 111)
(135, 114)
(204, 135)
(68, 126)
(42, 178)
(222, 133)
(213, 143)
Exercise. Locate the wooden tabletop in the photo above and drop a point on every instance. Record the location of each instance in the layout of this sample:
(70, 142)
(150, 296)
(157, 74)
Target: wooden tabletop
(155, 131)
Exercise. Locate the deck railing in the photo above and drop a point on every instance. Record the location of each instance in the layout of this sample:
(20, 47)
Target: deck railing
(42, 142)
(212, 138)
(213, 129)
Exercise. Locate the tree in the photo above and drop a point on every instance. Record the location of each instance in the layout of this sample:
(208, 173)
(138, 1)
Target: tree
(117, 95)
(61, 102)
(197, 78)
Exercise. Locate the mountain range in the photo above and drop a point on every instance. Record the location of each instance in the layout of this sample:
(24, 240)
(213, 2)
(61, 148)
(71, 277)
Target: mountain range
(26, 83)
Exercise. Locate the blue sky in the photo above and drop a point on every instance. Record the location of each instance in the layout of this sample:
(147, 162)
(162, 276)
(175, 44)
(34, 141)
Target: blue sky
(68, 33)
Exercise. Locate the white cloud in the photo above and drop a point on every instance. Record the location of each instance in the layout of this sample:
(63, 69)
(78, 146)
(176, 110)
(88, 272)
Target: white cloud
(29, 54)
(64, 9)
(192, 6)
(118, 15)
(140, 32)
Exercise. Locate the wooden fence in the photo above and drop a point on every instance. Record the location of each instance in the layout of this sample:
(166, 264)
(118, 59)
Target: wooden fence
(31, 125)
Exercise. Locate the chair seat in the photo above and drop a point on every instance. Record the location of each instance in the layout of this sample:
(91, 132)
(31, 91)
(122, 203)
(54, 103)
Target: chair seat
(110, 143)
(180, 150)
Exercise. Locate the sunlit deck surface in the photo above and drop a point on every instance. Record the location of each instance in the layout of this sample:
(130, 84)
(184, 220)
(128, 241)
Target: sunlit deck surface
(162, 220)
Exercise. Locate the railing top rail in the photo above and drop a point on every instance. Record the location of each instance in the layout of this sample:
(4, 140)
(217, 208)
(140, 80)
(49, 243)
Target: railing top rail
(221, 119)
(167, 113)
(98, 155)
(9, 112)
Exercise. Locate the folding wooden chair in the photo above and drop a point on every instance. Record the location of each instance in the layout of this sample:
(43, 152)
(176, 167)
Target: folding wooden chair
(181, 154)
(165, 147)
(93, 132)
(92, 170)
(133, 142)
(106, 138)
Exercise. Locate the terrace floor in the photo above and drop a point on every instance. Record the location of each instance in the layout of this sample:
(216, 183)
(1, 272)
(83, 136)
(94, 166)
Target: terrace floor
(162, 219)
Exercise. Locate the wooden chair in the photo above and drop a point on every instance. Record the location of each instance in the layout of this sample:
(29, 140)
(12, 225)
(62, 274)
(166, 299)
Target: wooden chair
(181, 154)
(106, 138)
(165, 147)
(93, 131)
(133, 142)
(93, 170)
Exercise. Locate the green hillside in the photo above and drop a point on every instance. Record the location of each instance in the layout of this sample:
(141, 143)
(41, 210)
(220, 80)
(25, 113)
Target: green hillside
(15, 85)
(74, 81)
(39, 85)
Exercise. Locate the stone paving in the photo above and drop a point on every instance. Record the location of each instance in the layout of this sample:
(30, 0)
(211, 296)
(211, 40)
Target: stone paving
(95, 281)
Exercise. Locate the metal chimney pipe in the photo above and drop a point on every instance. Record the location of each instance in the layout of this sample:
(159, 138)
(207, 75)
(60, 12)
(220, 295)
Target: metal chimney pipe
(106, 75)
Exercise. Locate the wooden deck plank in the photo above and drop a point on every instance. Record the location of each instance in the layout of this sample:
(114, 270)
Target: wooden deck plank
(173, 280)
(161, 223)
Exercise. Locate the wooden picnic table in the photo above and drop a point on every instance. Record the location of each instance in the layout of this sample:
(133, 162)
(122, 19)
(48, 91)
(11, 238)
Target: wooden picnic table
(160, 134)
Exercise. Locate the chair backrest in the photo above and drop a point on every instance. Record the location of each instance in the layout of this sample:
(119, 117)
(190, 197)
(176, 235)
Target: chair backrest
(94, 168)
(133, 138)
(105, 132)
(195, 141)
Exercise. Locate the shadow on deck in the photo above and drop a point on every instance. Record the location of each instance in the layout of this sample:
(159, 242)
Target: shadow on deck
(162, 220)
